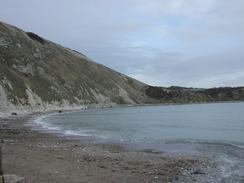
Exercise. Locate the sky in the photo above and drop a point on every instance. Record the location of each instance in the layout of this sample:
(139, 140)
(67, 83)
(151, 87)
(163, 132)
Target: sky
(192, 43)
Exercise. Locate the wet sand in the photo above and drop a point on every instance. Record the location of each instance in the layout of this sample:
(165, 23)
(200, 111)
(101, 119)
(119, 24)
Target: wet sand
(44, 157)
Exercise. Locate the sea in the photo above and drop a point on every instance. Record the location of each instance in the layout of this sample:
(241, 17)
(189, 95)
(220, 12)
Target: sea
(215, 130)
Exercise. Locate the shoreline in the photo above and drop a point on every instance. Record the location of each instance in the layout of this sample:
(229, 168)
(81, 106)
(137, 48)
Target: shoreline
(44, 157)
(41, 127)
(35, 124)
(41, 156)
(6, 113)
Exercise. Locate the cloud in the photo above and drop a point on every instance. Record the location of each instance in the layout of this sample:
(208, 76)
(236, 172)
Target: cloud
(161, 42)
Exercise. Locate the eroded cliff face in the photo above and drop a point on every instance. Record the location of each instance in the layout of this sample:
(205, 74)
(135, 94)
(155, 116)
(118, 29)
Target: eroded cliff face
(38, 74)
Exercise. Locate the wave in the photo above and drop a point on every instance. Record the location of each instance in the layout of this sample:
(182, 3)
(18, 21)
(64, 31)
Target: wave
(43, 123)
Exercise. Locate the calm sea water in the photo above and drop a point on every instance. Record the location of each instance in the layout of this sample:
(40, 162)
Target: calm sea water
(213, 130)
(217, 122)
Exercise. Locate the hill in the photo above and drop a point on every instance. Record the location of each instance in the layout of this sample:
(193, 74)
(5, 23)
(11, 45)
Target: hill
(37, 74)
(176, 94)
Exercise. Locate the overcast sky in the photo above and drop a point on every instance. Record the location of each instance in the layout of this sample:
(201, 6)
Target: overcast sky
(197, 43)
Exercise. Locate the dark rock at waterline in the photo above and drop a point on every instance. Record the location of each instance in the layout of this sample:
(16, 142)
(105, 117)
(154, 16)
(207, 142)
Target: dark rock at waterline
(198, 172)
(14, 114)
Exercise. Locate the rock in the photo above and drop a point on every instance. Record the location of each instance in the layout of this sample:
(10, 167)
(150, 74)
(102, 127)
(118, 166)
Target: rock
(88, 158)
(101, 166)
(14, 114)
(197, 172)
(60, 157)
(60, 111)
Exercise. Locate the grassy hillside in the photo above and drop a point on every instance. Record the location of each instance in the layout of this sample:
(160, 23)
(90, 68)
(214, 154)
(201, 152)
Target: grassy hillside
(35, 72)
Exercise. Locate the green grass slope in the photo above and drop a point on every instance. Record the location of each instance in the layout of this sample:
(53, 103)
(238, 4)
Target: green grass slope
(36, 72)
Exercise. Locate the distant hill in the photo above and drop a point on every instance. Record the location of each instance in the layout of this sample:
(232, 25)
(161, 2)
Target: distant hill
(36, 74)
(194, 95)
